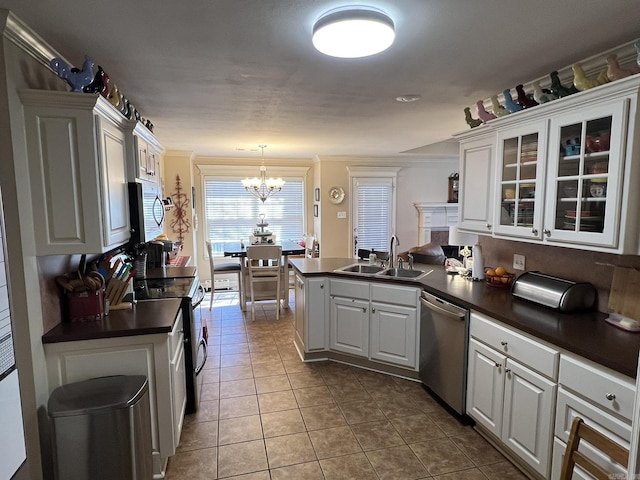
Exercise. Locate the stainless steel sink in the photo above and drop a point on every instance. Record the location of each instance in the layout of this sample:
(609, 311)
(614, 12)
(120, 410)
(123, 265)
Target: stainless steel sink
(360, 268)
(404, 273)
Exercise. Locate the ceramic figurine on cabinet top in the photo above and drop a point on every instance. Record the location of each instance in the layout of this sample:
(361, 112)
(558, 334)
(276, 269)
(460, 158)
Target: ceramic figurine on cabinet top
(472, 122)
(542, 95)
(105, 81)
(509, 103)
(114, 96)
(482, 112)
(614, 72)
(98, 84)
(558, 89)
(637, 45)
(582, 83)
(523, 99)
(77, 79)
(498, 110)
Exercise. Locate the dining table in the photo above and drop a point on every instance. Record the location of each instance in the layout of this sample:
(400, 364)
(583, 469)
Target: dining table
(239, 250)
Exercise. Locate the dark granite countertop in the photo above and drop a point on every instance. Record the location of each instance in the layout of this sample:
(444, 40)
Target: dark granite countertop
(144, 318)
(583, 333)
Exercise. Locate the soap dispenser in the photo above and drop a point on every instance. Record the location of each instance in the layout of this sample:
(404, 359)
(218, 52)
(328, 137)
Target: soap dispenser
(477, 272)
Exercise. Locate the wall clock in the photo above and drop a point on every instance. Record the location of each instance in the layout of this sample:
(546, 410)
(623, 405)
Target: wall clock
(336, 195)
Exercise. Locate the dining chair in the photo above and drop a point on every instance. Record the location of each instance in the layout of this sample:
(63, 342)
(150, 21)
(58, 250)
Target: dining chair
(582, 431)
(264, 264)
(228, 267)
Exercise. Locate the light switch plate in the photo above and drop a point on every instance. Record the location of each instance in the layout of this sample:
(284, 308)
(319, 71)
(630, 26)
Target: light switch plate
(342, 214)
(518, 262)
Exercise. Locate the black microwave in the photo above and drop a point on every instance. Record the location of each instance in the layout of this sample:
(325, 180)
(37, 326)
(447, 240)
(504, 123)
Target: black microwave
(146, 211)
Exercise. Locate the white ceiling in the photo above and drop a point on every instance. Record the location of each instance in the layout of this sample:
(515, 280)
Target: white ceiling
(216, 76)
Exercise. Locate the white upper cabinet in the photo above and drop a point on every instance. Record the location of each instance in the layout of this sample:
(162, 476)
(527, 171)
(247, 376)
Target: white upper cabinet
(77, 153)
(145, 164)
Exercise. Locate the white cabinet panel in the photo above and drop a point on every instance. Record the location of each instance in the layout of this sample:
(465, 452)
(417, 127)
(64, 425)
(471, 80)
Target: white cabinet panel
(393, 334)
(350, 326)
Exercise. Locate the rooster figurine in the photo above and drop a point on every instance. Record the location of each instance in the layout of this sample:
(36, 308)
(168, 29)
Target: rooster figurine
(98, 84)
(582, 83)
(558, 89)
(542, 96)
(77, 79)
(114, 96)
(509, 103)
(472, 122)
(498, 110)
(523, 98)
(614, 72)
(482, 112)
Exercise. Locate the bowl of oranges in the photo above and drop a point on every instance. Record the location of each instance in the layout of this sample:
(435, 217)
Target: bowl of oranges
(498, 277)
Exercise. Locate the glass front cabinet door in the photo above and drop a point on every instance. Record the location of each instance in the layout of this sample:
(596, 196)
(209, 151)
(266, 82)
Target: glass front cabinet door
(584, 175)
(520, 192)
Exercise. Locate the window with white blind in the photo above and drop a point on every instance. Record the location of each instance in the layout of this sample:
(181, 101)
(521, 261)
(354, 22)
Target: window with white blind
(231, 213)
(373, 212)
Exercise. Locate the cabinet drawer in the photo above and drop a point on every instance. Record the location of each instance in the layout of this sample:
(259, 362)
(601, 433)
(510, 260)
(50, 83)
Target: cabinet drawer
(535, 355)
(176, 336)
(570, 406)
(597, 384)
(395, 295)
(350, 289)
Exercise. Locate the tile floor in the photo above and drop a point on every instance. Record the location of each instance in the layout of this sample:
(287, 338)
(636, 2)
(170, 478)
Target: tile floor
(264, 414)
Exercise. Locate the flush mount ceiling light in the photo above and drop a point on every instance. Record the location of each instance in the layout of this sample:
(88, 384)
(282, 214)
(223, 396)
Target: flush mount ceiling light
(353, 32)
(408, 98)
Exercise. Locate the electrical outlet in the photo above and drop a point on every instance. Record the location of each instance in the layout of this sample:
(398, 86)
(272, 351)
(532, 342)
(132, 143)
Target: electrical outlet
(342, 214)
(518, 262)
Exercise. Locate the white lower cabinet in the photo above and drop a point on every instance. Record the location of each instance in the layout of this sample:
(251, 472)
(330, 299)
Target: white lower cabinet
(160, 357)
(511, 391)
(603, 399)
(375, 321)
(311, 309)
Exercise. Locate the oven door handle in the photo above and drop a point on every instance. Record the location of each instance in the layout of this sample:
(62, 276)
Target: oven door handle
(198, 297)
(201, 343)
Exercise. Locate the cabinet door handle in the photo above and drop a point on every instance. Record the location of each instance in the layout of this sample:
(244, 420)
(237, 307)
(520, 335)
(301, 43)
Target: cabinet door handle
(503, 343)
(488, 226)
(373, 310)
(322, 285)
(498, 365)
(534, 231)
(610, 396)
(547, 232)
(364, 309)
(507, 370)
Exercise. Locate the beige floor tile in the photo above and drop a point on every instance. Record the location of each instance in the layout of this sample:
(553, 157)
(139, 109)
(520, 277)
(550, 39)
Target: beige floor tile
(301, 471)
(211, 375)
(262, 475)
(296, 366)
(441, 456)
(378, 434)
(237, 388)
(396, 463)
(276, 401)
(197, 435)
(234, 348)
(304, 379)
(233, 330)
(312, 396)
(503, 471)
(417, 428)
(361, 411)
(334, 442)
(289, 450)
(239, 429)
(207, 412)
(237, 372)
(424, 401)
(276, 383)
(268, 369)
(238, 406)
(240, 458)
(235, 359)
(467, 474)
(210, 391)
(265, 357)
(195, 465)
(348, 467)
(285, 422)
(322, 416)
(349, 392)
(450, 424)
(233, 339)
(477, 449)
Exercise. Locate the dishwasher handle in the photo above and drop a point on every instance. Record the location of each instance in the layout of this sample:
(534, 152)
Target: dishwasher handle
(444, 308)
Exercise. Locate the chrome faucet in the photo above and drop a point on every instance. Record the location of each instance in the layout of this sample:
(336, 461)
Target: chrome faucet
(410, 262)
(400, 263)
(392, 250)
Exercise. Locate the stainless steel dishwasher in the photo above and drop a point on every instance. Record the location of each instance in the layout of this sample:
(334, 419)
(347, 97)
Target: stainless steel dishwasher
(443, 349)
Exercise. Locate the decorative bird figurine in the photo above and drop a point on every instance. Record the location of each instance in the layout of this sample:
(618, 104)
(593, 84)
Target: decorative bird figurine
(498, 110)
(637, 45)
(557, 88)
(614, 72)
(77, 79)
(482, 112)
(509, 103)
(97, 85)
(114, 96)
(542, 96)
(582, 83)
(523, 100)
(472, 122)
(105, 80)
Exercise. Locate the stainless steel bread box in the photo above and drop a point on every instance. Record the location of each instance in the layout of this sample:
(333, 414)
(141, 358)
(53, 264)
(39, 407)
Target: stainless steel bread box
(553, 292)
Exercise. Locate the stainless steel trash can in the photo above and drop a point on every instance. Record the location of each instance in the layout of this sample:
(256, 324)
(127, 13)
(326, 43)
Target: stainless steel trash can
(101, 429)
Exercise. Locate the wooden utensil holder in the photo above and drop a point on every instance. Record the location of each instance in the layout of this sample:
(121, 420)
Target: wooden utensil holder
(116, 290)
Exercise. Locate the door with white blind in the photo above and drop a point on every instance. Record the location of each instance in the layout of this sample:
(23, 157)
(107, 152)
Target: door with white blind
(373, 212)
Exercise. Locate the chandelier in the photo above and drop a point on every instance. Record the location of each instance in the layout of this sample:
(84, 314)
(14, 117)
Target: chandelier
(263, 187)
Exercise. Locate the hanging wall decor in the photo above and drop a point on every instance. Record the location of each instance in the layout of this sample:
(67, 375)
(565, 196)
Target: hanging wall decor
(181, 223)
